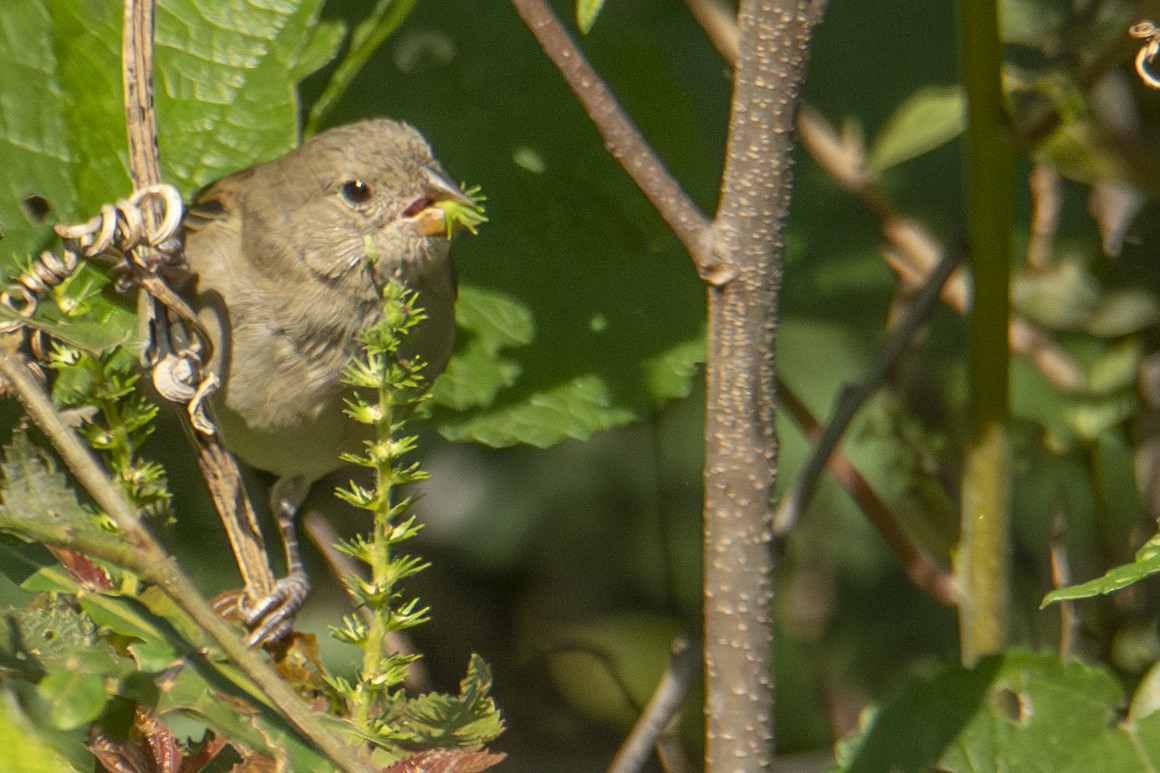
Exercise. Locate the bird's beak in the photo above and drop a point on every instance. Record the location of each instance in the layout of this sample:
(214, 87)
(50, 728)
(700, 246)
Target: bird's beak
(428, 216)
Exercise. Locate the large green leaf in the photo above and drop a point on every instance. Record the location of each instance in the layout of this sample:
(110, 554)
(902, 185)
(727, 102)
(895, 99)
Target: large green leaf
(225, 82)
(35, 152)
(1017, 711)
(227, 76)
(572, 250)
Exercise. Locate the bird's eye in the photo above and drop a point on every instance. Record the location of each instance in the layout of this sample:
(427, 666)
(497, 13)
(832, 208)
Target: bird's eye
(356, 191)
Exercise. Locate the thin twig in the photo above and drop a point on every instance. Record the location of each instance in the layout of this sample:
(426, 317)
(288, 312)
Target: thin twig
(621, 136)
(218, 467)
(660, 710)
(1061, 578)
(148, 559)
(1046, 188)
(919, 566)
(852, 399)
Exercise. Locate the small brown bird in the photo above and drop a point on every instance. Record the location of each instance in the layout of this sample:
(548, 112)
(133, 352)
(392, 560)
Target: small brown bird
(288, 259)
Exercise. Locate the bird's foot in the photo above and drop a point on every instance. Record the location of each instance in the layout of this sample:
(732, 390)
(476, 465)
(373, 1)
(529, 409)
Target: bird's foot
(267, 620)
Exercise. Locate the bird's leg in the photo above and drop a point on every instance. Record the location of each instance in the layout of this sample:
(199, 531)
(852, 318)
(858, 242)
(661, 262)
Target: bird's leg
(271, 618)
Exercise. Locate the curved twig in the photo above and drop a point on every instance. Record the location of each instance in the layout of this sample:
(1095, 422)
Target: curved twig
(218, 467)
(621, 136)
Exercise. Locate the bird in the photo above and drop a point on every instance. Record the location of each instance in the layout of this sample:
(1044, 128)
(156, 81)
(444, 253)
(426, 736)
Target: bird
(284, 265)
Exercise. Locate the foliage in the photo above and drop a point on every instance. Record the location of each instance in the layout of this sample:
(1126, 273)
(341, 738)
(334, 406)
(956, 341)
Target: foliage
(1019, 710)
(226, 98)
(96, 643)
(578, 313)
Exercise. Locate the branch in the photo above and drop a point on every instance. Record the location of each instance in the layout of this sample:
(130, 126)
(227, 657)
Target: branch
(662, 707)
(739, 256)
(218, 467)
(851, 399)
(621, 136)
(983, 560)
(1061, 578)
(912, 252)
(919, 566)
(740, 438)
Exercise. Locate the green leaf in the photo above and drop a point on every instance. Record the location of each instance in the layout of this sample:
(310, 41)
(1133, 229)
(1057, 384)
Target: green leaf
(577, 409)
(226, 78)
(930, 117)
(608, 667)
(1116, 368)
(1016, 711)
(1121, 312)
(35, 151)
(492, 322)
(225, 91)
(75, 698)
(33, 488)
(1147, 563)
(27, 749)
(214, 697)
(467, 720)
(586, 13)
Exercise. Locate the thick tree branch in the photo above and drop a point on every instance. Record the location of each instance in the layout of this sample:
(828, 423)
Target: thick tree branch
(740, 441)
(739, 256)
(621, 136)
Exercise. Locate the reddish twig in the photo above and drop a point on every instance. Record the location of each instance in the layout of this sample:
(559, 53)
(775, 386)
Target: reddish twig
(916, 562)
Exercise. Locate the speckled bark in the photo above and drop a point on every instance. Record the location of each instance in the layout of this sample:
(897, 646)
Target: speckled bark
(740, 442)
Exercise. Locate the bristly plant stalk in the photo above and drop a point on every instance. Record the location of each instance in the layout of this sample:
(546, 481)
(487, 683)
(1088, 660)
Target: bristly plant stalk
(390, 387)
(982, 562)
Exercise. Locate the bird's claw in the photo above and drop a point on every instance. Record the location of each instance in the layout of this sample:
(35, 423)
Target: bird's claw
(270, 619)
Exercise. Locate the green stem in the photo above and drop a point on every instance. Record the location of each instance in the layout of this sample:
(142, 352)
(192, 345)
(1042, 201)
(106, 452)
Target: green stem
(982, 562)
(379, 560)
(367, 36)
